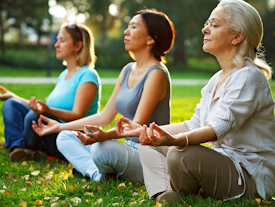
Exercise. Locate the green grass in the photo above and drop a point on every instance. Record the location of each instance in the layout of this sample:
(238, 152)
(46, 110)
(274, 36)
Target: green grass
(55, 178)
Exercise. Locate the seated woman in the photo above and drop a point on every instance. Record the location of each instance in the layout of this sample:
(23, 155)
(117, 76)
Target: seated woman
(76, 94)
(149, 36)
(236, 113)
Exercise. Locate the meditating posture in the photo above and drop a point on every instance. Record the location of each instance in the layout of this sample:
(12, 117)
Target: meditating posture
(76, 94)
(236, 114)
(142, 94)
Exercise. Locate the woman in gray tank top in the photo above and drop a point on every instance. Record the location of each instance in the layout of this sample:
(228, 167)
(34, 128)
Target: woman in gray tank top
(142, 94)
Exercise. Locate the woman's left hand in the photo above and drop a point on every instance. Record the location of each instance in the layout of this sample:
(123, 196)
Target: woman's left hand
(92, 137)
(155, 136)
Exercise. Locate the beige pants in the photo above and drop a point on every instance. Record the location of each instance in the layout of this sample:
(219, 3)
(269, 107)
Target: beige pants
(194, 168)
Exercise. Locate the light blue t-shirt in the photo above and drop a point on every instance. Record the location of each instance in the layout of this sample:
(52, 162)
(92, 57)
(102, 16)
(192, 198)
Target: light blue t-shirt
(63, 95)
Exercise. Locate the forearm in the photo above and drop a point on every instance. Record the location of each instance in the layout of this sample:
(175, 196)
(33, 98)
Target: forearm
(175, 128)
(195, 137)
(21, 100)
(96, 119)
(64, 115)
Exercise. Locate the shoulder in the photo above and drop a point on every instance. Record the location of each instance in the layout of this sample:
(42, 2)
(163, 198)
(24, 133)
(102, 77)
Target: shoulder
(250, 75)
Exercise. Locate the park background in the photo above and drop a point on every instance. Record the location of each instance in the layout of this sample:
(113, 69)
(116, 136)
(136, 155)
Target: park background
(28, 29)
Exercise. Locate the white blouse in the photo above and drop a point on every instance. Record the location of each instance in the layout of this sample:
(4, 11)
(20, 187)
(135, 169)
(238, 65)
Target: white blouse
(242, 115)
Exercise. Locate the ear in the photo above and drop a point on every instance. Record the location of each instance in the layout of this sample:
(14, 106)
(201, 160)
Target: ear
(150, 41)
(78, 46)
(238, 38)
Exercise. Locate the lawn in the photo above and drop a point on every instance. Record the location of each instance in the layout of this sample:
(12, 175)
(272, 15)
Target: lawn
(50, 183)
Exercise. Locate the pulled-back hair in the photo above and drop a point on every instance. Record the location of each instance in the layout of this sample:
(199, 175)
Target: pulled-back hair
(245, 19)
(161, 29)
(80, 32)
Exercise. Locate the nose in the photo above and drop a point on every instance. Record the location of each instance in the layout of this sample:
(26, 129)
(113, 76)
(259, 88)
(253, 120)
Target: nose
(205, 30)
(56, 44)
(126, 31)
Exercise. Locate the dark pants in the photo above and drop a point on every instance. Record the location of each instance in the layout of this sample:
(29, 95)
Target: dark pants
(19, 133)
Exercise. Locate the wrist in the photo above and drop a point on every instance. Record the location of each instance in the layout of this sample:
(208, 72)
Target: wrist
(180, 139)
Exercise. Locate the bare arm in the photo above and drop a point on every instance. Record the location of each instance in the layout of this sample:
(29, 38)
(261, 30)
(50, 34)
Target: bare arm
(84, 97)
(100, 119)
(8, 94)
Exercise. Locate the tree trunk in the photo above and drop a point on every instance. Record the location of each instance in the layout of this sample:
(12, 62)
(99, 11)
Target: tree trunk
(2, 32)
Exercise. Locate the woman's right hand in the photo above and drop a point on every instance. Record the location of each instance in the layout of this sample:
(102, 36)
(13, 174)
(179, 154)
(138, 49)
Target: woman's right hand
(6, 94)
(130, 129)
(42, 129)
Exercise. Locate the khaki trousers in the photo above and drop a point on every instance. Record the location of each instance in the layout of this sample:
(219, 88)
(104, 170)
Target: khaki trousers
(194, 168)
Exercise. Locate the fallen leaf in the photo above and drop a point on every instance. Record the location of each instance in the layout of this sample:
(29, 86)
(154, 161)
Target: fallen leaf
(76, 200)
(258, 200)
(38, 202)
(28, 183)
(23, 189)
(64, 187)
(130, 184)
(139, 190)
(157, 204)
(121, 186)
(71, 188)
(273, 198)
(2, 191)
(44, 185)
(8, 193)
(31, 169)
(35, 173)
(53, 204)
(133, 203)
(47, 198)
(53, 199)
(25, 177)
(115, 204)
(85, 186)
(135, 194)
(89, 193)
(142, 201)
(76, 187)
(99, 189)
(10, 175)
(186, 204)
(99, 201)
(48, 177)
(24, 163)
(266, 202)
(23, 203)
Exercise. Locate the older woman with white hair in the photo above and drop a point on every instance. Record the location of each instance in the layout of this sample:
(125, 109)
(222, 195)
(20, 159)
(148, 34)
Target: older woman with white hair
(236, 113)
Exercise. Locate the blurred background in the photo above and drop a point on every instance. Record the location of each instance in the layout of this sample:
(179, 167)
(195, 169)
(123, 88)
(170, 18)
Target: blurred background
(28, 30)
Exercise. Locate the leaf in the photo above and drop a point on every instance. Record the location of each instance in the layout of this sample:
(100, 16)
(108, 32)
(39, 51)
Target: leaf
(10, 175)
(130, 184)
(121, 186)
(85, 186)
(135, 194)
(133, 203)
(38, 202)
(76, 200)
(115, 204)
(157, 204)
(71, 188)
(2, 191)
(44, 185)
(28, 184)
(24, 163)
(23, 189)
(139, 190)
(142, 201)
(48, 177)
(8, 193)
(25, 177)
(99, 189)
(99, 201)
(64, 187)
(89, 194)
(186, 204)
(258, 200)
(53, 204)
(23, 203)
(76, 187)
(35, 173)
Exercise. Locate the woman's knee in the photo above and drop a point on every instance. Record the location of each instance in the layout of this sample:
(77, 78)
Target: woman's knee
(31, 116)
(62, 139)
(9, 104)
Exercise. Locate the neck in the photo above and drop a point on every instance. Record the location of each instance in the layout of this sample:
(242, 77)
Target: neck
(144, 59)
(71, 65)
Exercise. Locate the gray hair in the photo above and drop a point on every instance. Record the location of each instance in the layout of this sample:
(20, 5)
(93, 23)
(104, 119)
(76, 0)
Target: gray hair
(245, 19)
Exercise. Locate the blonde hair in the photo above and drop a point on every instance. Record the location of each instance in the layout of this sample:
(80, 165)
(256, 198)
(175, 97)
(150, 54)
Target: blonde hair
(80, 32)
(245, 19)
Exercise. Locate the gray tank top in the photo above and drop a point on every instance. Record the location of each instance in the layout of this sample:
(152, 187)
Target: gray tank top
(127, 99)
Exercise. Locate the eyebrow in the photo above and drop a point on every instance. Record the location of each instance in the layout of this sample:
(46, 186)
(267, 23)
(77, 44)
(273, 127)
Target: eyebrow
(215, 20)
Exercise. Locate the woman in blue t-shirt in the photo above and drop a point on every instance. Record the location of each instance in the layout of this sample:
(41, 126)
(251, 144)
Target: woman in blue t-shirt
(142, 94)
(76, 94)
